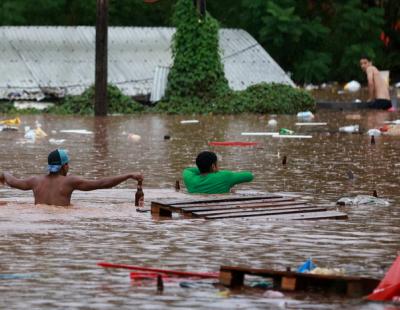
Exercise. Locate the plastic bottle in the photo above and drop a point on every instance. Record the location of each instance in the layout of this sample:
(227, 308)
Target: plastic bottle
(285, 131)
(350, 129)
(305, 115)
(139, 196)
(374, 132)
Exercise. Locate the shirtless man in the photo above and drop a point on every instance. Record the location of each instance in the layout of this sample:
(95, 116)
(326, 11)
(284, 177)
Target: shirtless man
(377, 88)
(56, 188)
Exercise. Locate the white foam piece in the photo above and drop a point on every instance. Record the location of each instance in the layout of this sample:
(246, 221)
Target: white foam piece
(311, 124)
(190, 121)
(77, 131)
(259, 133)
(292, 136)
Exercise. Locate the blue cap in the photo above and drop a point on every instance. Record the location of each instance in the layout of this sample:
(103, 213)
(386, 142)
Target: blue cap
(56, 160)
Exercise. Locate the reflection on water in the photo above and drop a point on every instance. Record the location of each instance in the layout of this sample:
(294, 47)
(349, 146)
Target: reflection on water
(59, 247)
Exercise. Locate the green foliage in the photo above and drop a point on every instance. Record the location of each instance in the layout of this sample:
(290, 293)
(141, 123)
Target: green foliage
(84, 104)
(197, 69)
(260, 98)
(316, 40)
(312, 66)
(360, 29)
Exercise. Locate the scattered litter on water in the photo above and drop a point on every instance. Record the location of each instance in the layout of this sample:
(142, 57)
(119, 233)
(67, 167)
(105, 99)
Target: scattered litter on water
(133, 137)
(352, 86)
(10, 122)
(393, 130)
(259, 133)
(32, 134)
(328, 271)
(374, 132)
(350, 129)
(363, 200)
(285, 131)
(77, 131)
(273, 294)
(307, 266)
(232, 143)
(292, 136)
(311, 124)
(395, 122)
(56, 141)
(305, 115)
(8, 128)
(190, 121)
(264, 284)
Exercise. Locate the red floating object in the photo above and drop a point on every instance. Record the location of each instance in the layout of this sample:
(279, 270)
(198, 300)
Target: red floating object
(204, 275)
(389, 288)
(232, 143)
(385, 128)
(392, 109)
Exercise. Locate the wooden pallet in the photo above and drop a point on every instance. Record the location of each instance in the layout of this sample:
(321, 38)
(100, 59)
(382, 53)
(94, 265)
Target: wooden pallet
(293, 281)
(271, 206)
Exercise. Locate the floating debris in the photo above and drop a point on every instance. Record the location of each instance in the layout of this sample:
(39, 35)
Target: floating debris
(363, 200)
(190, 121)
(77, 131)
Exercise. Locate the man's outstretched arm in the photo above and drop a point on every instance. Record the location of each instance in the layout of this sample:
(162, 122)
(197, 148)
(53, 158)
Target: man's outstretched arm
(90, 185)
(23, 184)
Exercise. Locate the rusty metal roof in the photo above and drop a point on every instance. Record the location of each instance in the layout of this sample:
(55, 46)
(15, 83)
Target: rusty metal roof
(36, 59)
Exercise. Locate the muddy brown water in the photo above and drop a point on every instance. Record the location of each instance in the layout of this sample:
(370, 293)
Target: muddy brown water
(52, 252)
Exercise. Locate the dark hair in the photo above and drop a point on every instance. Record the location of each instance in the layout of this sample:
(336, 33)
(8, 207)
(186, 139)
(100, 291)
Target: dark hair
(366, 57)
(205, 160)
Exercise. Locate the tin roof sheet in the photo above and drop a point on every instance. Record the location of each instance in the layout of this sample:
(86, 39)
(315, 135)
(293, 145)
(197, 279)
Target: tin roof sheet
(34, 58)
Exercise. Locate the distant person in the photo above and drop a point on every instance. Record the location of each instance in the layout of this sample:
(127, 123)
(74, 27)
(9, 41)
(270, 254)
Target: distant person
(208, 179)
(56, 188)
(378, 89)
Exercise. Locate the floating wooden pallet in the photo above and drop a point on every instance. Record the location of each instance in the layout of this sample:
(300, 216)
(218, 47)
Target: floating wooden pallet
(271, 206)
(294, 281)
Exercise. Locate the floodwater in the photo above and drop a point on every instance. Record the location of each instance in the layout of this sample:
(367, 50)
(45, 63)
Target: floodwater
(51, 253)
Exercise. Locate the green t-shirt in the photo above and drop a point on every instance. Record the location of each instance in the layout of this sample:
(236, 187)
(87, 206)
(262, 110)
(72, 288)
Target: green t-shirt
(213, 183)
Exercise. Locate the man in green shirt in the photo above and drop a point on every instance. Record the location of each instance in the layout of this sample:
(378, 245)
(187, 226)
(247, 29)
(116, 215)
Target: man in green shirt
(208, 179)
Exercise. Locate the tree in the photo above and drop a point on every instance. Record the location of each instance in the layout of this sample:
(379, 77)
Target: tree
(197, 69)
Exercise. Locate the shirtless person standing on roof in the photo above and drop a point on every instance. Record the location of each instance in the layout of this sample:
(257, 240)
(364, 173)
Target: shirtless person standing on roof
(378, 90)
(56, 188)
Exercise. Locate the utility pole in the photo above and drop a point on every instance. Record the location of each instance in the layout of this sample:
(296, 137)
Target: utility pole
(201, 6)
(100, 104)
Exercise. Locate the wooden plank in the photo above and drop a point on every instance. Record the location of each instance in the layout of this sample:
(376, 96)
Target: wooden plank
(348, 285)
(312, 216)
(214, 198)
(160, 210)
(233, 203)
(231, 278)
(277, 210)
(288, 283)
(261, 213)
(213, 207)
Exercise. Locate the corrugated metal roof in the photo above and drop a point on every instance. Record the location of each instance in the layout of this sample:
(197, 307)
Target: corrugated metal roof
(33, 58)
(159, 84)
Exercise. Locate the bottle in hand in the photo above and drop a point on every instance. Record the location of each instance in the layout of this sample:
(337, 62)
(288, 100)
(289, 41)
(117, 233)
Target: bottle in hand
(139, 196)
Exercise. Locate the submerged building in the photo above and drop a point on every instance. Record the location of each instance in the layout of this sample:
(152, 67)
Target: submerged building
(36, 62)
